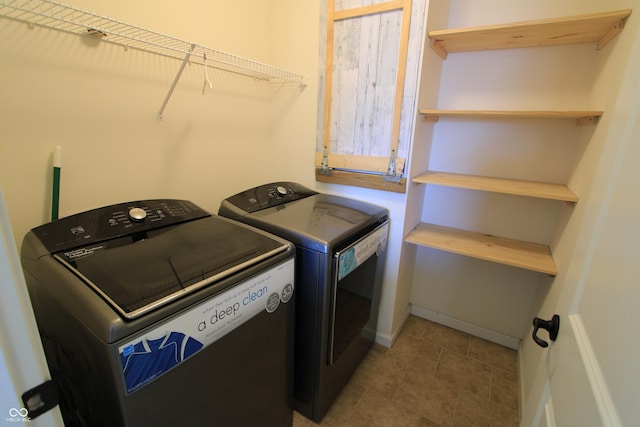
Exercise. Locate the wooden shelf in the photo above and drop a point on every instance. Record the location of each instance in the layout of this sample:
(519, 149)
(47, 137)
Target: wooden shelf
(516, 253)
(582, 117)
(541, 190)
(598, 28)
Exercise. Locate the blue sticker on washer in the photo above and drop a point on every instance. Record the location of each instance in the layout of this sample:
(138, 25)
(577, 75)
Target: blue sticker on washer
(373, 243)
(169, 344)
(348, 262)
(149, 358)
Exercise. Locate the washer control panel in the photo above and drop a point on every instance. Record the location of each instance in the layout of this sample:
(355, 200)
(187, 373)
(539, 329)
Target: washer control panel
(266, 196)
(114, 221)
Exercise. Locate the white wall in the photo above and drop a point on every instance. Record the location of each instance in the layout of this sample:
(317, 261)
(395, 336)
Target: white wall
(396, 288)
(294, 32)
(494, 300)
(99, 102)
(22, 362)
(428, 89)
(592, 172)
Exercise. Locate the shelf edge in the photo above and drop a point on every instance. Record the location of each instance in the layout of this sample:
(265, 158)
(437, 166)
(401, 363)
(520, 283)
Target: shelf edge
(542, 32)
(516, 187)
(516, 253)
(583, 118)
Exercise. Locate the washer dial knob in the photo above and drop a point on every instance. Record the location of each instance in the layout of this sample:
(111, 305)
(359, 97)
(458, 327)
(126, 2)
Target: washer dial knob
(282, 191)
(137, 214)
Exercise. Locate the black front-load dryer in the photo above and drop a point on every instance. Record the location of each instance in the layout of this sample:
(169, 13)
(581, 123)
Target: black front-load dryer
(157, 313)
(340, 254)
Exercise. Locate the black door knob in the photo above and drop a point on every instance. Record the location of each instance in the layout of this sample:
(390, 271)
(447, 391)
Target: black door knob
(552, 326)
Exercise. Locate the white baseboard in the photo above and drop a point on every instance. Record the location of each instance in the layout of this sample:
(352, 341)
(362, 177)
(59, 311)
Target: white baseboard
(469, 328)
(387, 340)
(521, 383)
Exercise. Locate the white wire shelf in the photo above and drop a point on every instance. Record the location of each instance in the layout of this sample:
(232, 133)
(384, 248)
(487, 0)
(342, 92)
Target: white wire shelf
(69, 19)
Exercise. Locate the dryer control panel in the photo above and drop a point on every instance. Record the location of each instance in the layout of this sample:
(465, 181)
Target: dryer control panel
(109, 222)
(265, 196)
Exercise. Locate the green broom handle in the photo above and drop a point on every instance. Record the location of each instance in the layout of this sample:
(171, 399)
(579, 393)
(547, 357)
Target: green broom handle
(55, 196)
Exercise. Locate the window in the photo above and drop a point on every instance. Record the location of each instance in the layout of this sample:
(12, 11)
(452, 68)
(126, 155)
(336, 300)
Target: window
(368, 89)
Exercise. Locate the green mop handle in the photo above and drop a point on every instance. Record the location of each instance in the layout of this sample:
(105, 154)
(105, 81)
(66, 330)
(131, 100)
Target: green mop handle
(55, 196)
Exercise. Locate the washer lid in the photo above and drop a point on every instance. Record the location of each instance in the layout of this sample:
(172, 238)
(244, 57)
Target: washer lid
(140, 272)
(319, 222)
(265, 196)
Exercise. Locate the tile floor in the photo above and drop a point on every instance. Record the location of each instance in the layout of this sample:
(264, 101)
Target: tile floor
(433, 376)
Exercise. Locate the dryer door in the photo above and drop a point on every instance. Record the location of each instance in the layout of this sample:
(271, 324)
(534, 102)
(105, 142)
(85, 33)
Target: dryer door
(357, 270)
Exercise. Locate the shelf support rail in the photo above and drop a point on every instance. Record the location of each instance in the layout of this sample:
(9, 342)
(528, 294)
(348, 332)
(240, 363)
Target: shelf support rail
(175, 81)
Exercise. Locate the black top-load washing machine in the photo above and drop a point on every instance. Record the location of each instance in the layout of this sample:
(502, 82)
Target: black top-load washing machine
(340, 252)
(157, 313)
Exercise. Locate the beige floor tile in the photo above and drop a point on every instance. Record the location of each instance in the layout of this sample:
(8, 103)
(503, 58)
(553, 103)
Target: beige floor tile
(464, 372)
(505, 389)
(380, 372)
(300, 420)
(342, 409)
(415, 326)
(427, 395)
(413, 352)
(433, 376)
(494, 354)
(475, 411)
(425, 422)
(375, 410)
(448, 338)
